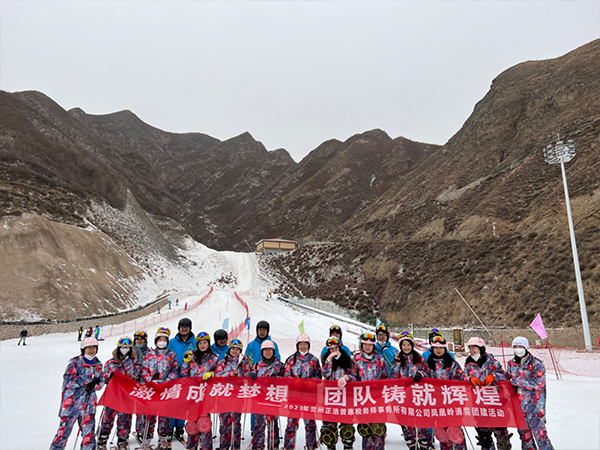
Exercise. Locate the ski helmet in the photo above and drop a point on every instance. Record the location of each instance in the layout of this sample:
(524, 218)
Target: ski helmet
(335, 329)
(162, 332)
(141, 334)
(263, 324)
(406, 336)
(384, 329)
(220, 334)
(203, 336)
(432, 333)
(185, 322)
(267, 344)
(303, 338)
(477, 342)
(88, 342)
(125, 341)
(367, 338)
(237, 343)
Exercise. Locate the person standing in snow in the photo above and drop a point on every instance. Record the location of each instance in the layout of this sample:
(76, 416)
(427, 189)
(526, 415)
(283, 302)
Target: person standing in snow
(79, 333)
(81, 380)
(482, 369)
(442, 366)
(335, 331)
(384, 347)
(124, 359)
(528, 375)
(169, 303)
(140, 339)
(181, 344)
(159, 366)
(337, 366)
(201, 362)
(369, 365)
(302, 364)
(97, 332)
(432, 334)
(408, 363)
(232, 365)
(220, 345)
(268, 366)
(23, 336)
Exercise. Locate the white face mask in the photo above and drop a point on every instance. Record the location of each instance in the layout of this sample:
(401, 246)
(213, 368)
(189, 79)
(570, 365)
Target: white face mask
(89, 358)
(520, 352)
(161, 344)
(476, 356)
(124, 350)
(303, 353)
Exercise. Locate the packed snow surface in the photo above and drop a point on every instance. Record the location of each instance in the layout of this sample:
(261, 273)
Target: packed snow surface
(31, 376)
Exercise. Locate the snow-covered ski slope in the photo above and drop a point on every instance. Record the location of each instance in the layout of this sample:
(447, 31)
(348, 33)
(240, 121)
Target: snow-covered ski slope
(31, 377)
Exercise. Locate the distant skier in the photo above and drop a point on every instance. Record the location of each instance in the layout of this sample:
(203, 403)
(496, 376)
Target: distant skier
(158, 309)
(81, 380)
(176, 302)
(79, 333)
(169, 304)
(24, 333)
(97, 332)
(185, 307)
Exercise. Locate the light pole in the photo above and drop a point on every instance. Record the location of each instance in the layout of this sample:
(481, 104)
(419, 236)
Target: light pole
(562, 153)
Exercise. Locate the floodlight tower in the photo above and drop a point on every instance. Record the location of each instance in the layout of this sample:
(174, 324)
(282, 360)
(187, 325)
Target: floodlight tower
(561, 153)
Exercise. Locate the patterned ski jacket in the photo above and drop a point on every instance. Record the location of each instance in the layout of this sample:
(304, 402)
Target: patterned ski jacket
(79, 372)
(192, 368)
(329, 373)
(266, 369)
(454, 372)
(529, 377)
(129, 367)
(409, 369)
(388, 352)
(160, 365)
(302, 366)
(373, 368)
(233, 367)
(484, 366)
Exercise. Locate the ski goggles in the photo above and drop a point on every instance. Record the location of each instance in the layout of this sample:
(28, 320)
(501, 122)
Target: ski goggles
(435, 332)
(141, 334)
(406, 335)
(382, 328)
(125, 341)
(203, 336)
(333, 342)
(164, 331)
(236, 343)
(439, 341)
(335, 329)
(368, 338)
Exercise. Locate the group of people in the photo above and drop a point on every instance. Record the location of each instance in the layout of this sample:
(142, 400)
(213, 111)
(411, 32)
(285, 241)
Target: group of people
(189, 355)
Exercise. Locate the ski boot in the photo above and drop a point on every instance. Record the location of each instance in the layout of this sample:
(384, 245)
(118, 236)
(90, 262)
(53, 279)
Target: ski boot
(163, 442)
(102, 441)
(412, 444)
(122, 444)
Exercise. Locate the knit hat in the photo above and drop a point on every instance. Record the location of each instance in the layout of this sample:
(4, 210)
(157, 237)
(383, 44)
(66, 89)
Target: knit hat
(520, 340)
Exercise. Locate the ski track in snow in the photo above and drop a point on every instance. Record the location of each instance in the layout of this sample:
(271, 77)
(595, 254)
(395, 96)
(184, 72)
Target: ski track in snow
(31, 377)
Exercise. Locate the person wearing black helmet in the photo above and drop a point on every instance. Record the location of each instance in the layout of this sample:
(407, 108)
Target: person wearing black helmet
(220, 346)
(182, 343)
(262, 334)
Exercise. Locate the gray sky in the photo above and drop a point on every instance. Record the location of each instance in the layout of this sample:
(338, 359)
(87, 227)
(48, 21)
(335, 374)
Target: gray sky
(293, 74)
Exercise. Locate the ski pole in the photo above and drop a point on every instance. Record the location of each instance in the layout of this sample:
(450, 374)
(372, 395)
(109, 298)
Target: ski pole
(468, 437)
(244, 427)
(77, 437)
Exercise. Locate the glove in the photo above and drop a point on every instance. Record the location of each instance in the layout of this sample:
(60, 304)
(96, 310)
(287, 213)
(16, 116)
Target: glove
(476, 381)
(252, 375)
(489, 380)
(92, 384)
(342, 382)
(207, 376)
(187, 356)
(417, 377)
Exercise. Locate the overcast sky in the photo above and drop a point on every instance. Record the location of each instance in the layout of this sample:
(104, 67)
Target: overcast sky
(293, 74)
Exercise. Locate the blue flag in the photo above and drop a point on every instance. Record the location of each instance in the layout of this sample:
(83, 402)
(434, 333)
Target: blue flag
(248, 322)
(225, 324)
(377, 322)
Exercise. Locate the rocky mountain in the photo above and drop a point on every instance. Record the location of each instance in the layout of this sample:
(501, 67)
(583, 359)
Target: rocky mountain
(393, 226)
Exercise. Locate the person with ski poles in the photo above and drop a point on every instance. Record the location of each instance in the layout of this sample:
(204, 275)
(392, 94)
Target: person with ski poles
(182, 343)
(160, 365)
(220, 346)
(336, 331)
(23, 336)
(81, 380)
(268, 366)
(302, 364)
(528, 375)
(124, 359)
(201, 362)
(384, 347)
(337, 366)
(482, 369)
(234, 364)
(140, 339)
(442, 366)
(369, 365)
(408, 363)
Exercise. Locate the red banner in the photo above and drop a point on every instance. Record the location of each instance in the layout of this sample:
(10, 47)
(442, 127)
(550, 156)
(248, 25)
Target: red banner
(427, 404)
